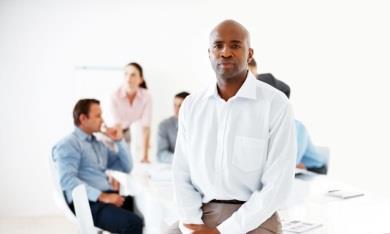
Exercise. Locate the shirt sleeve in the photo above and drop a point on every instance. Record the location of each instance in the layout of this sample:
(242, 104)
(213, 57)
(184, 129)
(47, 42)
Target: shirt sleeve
(276, 181)
(164, 155)
(114, 117)
(68, 158)
(302, 140)
(146, 118)
(120, 160)
(311, 157)
(188, 199)
(307, 152)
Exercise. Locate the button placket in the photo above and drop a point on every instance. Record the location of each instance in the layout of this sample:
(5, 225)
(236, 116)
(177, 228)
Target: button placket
(222, 139)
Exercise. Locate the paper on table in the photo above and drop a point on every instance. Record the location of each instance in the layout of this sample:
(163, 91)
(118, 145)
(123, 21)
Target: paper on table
(160, 172)
(297, 226)
(344, 194)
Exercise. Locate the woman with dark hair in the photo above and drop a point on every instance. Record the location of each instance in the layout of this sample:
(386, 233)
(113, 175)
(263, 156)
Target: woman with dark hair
(132, 102)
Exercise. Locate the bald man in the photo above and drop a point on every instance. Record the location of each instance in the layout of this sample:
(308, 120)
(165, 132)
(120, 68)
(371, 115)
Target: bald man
(235, 152)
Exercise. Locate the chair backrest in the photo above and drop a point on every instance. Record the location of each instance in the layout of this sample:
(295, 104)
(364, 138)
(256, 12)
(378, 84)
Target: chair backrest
(325, 152)
(83, 210)
(58, 194)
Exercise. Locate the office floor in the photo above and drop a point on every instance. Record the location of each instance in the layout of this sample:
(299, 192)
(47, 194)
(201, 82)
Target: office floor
(34, 225)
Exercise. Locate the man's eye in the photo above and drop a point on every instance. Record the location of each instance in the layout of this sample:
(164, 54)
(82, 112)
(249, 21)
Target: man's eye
(236, 46)
(218, 46)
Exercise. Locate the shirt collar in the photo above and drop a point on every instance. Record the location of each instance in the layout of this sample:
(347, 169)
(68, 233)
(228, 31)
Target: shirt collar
(123, 93)
(83, 135)
(247, 89)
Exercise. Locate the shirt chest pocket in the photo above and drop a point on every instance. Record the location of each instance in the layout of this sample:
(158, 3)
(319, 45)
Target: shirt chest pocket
(249, 153)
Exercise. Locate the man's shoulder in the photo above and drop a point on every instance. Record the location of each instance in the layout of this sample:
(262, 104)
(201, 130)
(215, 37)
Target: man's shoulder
(267, 78)
(167, 122)
(269, 93)
(68, 141)
(197, 96)
(299, 126)
(278, 84)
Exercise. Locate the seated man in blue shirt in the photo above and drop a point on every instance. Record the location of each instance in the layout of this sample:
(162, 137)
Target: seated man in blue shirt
(81, 159)
(167, 132)
(308, 157)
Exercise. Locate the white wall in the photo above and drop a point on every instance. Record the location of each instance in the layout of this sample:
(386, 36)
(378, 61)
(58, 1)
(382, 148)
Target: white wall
(332, 53)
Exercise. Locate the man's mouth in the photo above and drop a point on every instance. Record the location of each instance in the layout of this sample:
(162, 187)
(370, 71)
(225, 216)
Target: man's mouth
(226, 64)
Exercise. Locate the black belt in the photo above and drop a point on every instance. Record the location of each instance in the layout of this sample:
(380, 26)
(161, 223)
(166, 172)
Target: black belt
(228, 201)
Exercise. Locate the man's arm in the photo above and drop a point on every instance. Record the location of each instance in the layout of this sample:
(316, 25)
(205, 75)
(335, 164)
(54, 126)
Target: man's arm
(312, 158)
(308, 155)
(164, 155)
(277, 178)
(68, 158)
(120, 160)
(188, 200)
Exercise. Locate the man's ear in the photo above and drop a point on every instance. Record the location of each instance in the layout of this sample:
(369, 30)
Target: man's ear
(82, 118)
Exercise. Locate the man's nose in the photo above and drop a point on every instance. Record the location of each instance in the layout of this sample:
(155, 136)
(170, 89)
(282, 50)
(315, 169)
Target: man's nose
(226, 52)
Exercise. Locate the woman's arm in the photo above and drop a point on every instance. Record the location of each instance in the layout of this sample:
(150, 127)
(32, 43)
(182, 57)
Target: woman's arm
(146, 144)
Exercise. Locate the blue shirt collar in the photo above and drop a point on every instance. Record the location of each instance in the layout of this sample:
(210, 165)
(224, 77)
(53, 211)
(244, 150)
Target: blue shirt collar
(83, 135)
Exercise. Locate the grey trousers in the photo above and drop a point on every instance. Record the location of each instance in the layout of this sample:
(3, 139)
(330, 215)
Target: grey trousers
(215, 213)
(126, 135)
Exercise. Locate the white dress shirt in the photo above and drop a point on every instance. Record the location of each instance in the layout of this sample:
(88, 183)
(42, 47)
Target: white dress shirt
(242, 149)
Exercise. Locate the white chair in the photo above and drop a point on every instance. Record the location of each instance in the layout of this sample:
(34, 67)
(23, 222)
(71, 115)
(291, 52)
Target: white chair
(83, 210)
(58, 194)
(60, 201)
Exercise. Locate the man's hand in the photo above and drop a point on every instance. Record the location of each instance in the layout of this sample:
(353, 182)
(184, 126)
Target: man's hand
(111, 198)
(114, 183)
(301, 166)
(201, 229)
(114, 133)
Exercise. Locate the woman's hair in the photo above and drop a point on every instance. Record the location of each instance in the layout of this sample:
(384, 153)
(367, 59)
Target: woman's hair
(139, 68)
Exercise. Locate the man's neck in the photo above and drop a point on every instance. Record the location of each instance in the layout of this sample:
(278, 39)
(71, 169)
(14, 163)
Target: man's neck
(85, 130)
(227, 88)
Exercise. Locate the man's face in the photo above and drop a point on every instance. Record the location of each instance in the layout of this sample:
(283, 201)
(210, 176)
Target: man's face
(93, 122)
(177, 104)
(229, 51)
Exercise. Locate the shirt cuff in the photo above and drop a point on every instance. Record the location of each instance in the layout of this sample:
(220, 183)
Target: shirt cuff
(165, 157)
(192, 221)
(229, 226)
(92, 193)
(121, 143)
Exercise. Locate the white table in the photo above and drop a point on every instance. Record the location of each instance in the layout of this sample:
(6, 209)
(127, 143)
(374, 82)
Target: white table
(153, 198)
(369, 214)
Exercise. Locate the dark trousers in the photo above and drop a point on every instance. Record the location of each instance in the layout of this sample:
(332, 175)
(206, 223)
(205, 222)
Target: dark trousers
(319, 170)
(115, 219)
